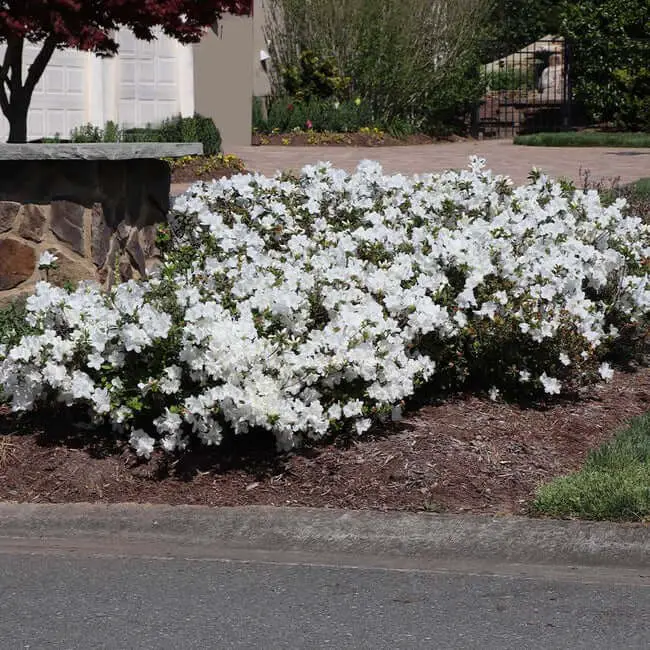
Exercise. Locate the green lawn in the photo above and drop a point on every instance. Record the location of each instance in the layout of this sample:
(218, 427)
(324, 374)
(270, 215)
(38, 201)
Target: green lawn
(585, 139)
(613, 484)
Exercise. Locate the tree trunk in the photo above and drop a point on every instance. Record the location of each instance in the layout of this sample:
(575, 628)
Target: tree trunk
(17, 121)
(16, 96)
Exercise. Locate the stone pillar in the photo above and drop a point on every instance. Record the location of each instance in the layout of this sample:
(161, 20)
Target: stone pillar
(98, 215)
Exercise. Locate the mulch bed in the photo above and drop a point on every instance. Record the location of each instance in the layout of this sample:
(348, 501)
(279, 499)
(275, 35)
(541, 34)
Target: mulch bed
(465, 454)
(345, 140)
(196, 170)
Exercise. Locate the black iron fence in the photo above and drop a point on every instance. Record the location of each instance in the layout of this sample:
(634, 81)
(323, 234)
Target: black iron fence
(527, 91)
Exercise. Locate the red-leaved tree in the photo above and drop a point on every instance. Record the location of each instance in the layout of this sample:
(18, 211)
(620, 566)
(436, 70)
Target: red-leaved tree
(88, 25)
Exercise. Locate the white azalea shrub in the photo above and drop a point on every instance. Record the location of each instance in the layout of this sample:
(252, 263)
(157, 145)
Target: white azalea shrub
(306, 306)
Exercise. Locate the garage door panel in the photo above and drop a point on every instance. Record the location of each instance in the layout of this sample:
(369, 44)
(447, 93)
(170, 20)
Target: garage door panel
(148, 78)
(145, 87)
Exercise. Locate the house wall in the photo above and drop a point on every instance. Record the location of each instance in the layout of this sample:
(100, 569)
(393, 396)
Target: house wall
(223, 78)
(146, 82)
(261, 84)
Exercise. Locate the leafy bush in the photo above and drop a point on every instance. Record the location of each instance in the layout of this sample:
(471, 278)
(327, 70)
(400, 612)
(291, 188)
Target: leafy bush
(175, 129)
(192, 129)
(511, 79)
(409, 60)
(287, 114)
(13, 324)
(307, 306)
(87, 133)
(315, 77)
(260, 125)
(610, 60)
(620, 139)
(513, 24)
(636, 195)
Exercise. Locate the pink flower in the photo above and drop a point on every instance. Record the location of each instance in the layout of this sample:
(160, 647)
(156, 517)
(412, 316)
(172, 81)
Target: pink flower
(309, 124)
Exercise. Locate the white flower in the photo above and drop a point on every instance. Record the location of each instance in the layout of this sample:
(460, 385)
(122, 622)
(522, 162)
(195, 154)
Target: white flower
(606, 371)
(331, 297)
(47, 260)
(142, 443)
(352, 408)
(334, 412)
(363, 425)
(494, 393)
(552, 386)
(81, 386)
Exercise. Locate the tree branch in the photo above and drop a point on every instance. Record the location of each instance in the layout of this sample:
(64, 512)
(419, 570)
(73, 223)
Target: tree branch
(16, 81)
(40, 63)
(4, 74)
(4, 100)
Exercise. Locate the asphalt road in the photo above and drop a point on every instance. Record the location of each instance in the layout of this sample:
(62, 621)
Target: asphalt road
(70, 597)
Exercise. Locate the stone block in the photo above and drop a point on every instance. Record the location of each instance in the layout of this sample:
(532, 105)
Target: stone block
(125, 269)
(147, 192)
(32, 225)
(99, 151)
(8, 213)
(69, 269)
(67, 224)
(100, 236)
(148, 236)
(17, 263)
(136, 253)
(114, 251)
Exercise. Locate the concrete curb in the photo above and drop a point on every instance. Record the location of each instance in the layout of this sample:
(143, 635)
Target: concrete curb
(405, 535)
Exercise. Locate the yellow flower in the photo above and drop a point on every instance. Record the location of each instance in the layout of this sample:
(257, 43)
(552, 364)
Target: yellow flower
(357, 101)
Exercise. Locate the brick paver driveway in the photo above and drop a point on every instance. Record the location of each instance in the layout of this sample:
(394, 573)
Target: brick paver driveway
(502, 156)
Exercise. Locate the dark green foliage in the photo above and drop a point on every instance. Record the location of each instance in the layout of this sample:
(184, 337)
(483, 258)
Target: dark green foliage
(286, 114)
(411, 61)
(175, 129)
(585, 139)
(315, 77)
(192, 129)
(522, 79)
(260, 124)
(13, 325)
(610, 70)
(517, 23)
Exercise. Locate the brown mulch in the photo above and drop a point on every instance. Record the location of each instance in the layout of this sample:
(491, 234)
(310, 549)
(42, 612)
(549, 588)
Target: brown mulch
(197, 170)
(345, 140)
(465, 454)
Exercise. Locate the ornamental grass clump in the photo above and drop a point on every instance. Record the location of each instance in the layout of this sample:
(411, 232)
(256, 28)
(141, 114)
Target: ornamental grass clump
(312, 305)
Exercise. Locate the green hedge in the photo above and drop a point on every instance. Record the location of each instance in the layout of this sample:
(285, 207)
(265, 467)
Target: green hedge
(175, 129)
(585, 139)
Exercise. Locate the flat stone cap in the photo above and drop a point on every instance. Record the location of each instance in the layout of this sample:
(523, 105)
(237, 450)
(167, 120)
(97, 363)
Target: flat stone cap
(100, 151)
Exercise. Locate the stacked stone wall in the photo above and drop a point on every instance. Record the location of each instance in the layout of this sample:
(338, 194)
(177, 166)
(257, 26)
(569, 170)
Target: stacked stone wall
(99, 217)
(87, 247)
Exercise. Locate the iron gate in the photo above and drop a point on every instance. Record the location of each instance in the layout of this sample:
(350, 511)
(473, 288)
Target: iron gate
(526, 92)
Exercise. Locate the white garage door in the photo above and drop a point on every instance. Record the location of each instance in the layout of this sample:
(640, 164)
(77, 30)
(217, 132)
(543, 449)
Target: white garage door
(58, 104)
(146, 83)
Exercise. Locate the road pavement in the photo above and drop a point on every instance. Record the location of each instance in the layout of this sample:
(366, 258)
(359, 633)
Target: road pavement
(130, 577)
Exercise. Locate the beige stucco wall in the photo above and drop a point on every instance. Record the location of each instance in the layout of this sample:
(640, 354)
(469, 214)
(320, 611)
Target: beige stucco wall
(223, 78)
(228, 72)
(261, 84)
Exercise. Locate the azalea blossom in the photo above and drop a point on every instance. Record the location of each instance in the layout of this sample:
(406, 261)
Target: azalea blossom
(552, 386)
(47, 260)
(606, 371)
(317, 304)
